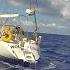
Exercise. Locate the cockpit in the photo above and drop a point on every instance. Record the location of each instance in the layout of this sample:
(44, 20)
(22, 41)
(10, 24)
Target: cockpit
(10, 33)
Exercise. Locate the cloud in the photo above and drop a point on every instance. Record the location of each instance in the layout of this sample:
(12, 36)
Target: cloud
(48, 7)
(55, 25)
(23, 22)
(14, 3)
(62, 7)
(28, 23)
(58, 3)
(51, 25)
(54, 14)
(66, 11)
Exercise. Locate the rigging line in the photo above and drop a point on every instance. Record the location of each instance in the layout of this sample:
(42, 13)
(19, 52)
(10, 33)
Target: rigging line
(30, 4)
(35, 15)
(35, 21)
(37, 12)
(37, 3)
(6, 20)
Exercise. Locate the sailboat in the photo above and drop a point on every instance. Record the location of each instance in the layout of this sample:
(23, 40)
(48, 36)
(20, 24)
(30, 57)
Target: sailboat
(15, 44)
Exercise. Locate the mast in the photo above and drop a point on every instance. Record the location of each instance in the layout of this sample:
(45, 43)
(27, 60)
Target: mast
(36, 28)
(32, 12)
(35, 21)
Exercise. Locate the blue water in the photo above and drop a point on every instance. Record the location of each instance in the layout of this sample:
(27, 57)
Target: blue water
(55, 55)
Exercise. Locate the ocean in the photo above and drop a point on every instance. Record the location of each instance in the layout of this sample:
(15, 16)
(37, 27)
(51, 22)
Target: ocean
(54, 55)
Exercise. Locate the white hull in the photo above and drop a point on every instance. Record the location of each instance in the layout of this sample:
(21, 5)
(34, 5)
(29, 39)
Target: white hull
(26, 54)
(14, 44)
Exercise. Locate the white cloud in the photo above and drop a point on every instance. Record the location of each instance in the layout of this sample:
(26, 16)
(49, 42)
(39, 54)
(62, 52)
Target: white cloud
(51, 25)
(58, 3)
(47, 25)
(61, 26)
(66, 11)
(63, 7)
(14, 3)
(22, 22)
(29, 23)
(54, 25)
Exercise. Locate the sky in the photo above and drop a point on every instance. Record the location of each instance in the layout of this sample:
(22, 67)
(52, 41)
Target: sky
(53, 16)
